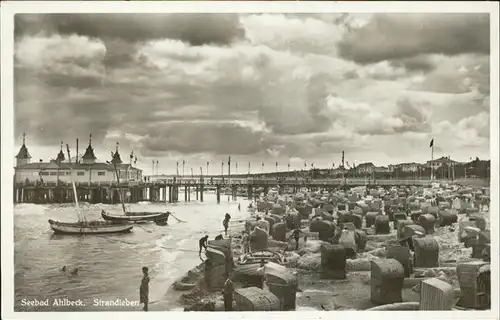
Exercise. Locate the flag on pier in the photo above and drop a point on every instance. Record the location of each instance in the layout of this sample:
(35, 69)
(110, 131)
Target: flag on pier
(431, 144)
(229, 161)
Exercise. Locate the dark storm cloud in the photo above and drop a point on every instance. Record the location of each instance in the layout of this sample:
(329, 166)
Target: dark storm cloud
(121, 32)
(57, 80)
(391, 36)
(71, 114)
(419, 63)
(466, 74)
(134, 82)
(412, 115)
(409, 116)
(195, 29)
(298, 107)
(195, 137)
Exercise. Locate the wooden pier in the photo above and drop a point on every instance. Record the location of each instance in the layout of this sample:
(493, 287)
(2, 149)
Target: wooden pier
(110, 193)
(167, 190)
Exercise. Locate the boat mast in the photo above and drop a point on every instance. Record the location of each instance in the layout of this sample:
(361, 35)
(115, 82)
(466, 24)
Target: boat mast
(119, 189)
(73, 183)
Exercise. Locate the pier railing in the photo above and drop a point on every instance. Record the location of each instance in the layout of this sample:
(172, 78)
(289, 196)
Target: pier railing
(248, 182)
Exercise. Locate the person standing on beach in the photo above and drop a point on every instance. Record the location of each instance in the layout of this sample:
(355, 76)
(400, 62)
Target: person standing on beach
(239, 207)
(246, 242)
(144, 288)
(296, 236)
(228, 294)
(225, 223)
(203, 243)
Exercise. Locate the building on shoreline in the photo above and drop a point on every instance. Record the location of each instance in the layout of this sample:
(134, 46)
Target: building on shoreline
(87, 170)
(443, 161)
(406, 167)
(365, 168)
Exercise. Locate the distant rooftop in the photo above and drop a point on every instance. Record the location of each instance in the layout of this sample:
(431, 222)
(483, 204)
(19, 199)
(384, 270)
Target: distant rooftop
(23, 152)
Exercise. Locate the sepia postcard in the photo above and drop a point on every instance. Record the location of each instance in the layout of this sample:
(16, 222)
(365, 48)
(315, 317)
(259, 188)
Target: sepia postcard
(263, 159)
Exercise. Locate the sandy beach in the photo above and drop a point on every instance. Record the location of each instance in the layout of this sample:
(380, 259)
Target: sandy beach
(353, 293)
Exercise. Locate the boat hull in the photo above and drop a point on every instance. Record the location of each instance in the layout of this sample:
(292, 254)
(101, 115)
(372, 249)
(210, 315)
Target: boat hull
(141, 214)
(134, 218)
(88, 228)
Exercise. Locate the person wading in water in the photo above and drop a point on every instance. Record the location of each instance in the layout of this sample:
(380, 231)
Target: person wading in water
(203, 244)
(225, 223)
(144, 288)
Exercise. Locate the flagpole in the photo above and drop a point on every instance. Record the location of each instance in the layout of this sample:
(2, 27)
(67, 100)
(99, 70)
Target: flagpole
(229, 171)
(453, 168)
(432, 161)
(432, 158)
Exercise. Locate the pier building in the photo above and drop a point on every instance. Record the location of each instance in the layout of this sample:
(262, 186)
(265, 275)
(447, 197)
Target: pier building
(85, 170)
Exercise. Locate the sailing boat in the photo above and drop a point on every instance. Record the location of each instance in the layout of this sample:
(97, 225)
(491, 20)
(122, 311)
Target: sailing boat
(87, 227)
(159, 218)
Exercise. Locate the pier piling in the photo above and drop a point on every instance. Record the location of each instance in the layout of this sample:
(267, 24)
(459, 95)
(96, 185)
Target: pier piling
(108, 192)
(218, 194)
(234, 192)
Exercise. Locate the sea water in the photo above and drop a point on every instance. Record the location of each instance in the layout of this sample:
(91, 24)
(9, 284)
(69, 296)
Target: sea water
(110, 265)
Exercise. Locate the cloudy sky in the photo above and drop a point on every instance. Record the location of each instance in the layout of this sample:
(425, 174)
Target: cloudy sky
(258, 87)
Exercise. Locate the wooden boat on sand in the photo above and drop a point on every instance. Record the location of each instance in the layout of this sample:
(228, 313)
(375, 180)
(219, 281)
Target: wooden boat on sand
(136, 217)
(89, 227)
